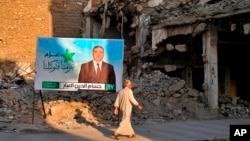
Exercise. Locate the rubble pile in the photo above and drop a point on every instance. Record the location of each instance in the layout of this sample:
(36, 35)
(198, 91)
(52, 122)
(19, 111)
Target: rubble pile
(164, 98)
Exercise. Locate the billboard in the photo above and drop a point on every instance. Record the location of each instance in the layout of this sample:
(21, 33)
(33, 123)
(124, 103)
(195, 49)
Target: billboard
(72, 64)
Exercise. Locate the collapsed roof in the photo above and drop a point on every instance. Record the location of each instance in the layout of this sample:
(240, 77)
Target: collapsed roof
(189, 11)
(173, 12)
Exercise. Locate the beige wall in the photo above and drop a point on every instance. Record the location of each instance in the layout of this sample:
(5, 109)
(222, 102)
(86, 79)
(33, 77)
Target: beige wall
(22, 21)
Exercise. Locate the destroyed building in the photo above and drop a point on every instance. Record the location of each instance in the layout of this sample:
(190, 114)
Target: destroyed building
(203, 42)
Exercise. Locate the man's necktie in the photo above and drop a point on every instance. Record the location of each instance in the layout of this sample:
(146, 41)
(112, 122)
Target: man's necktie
(98, 71)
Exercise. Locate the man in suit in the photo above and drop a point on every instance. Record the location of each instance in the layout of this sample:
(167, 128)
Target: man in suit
(96, 70)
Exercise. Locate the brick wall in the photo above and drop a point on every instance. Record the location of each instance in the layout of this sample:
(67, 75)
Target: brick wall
(22, 21)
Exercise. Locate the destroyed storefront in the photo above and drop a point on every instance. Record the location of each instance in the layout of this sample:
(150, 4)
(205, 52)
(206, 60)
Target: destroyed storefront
(208, 44)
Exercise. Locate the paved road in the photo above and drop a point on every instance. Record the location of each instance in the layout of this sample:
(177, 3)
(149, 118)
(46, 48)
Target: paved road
(201, 130)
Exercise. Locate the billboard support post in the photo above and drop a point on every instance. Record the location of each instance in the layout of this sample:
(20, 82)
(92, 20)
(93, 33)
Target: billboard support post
(42, 104)
(33, 105)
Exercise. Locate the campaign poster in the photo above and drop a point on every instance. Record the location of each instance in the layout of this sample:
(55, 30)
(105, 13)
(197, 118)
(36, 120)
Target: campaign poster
(73, 64)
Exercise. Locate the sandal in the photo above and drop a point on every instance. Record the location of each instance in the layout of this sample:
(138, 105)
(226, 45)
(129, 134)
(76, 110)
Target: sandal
(131, 136)
(116, 136)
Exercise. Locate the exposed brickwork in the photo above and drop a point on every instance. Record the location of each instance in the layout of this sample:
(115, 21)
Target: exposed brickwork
(22, 22)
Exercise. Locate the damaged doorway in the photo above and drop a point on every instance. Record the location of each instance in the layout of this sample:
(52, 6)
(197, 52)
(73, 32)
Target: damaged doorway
(233, 56)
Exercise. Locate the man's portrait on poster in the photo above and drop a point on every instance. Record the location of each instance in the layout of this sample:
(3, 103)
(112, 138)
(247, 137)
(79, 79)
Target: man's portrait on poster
(97, 70)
